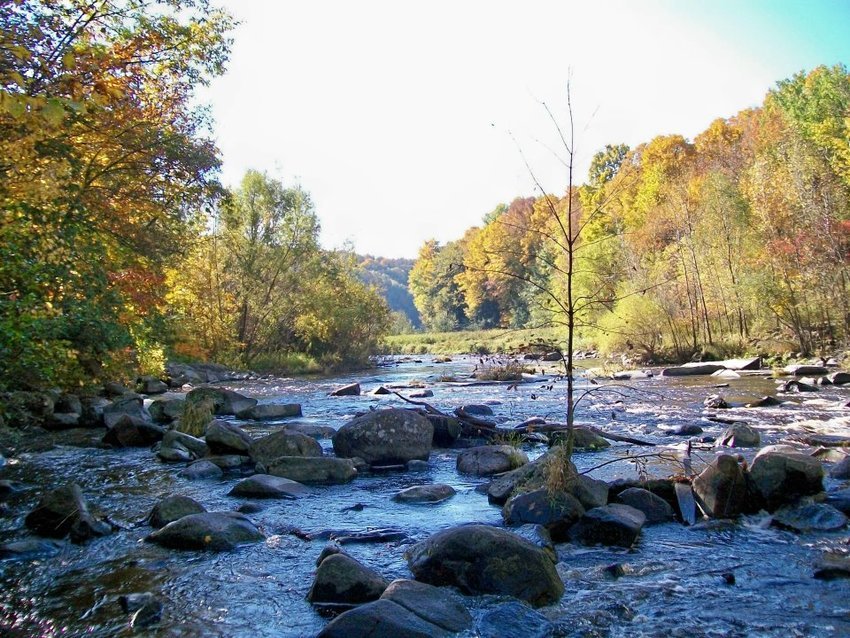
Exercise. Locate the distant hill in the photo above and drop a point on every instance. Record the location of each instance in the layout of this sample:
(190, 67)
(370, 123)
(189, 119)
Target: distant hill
(389, 276)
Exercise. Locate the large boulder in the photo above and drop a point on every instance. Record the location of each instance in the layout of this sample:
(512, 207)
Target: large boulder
(613, 524)
(479, 559)
(381, 619)
(63, 512)
(342, 579)
(266, 486)
(283, 443)
(150, 385)
(385, 437)
(268, 411)
(310, 469)
(350, 390)
(722, 488)
(439, 606)
(200, 470)
(130, 431)
(486, 460)
(782, 476)
(215, 531)
(226, 438)
(655, 508)
(557, 513)
(222, 401)
(173, 508)
(127, 404)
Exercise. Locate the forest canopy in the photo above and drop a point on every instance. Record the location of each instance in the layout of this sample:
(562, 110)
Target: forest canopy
(684, 246)
(118, 244)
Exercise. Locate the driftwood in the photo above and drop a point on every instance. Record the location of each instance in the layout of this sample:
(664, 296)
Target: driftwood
(561, 427)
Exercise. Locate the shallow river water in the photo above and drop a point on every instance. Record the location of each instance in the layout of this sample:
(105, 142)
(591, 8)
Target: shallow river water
(673, 582)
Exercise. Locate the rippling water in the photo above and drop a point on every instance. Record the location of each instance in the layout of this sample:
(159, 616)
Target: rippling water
(673, 582)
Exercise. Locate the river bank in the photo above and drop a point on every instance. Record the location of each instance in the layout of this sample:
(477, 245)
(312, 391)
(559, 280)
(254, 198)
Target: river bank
(672, 579)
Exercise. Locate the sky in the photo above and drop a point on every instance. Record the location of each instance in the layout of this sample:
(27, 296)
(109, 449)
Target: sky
(408, 121)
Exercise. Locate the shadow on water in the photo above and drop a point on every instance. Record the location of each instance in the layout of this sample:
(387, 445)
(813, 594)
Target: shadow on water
(715, 579)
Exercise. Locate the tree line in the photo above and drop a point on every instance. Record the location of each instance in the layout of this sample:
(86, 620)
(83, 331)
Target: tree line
(118, 245)
(681, 246)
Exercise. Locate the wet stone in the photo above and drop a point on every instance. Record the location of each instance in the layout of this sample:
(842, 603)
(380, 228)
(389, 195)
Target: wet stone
(200, 470)
(173, 508)
(655, 508)
(514, 620)
(433, 493)
(214, 531)
(809, 517)
(437, 605)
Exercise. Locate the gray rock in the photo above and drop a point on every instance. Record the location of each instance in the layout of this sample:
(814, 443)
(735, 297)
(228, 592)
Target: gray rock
(692, 369)
(655, 508)
(127, 404)
(485, 460)
(478, 409)
(589, 491)
(716, 402)
(514, 620)
(381, 619)
(839, 378)
(502, 487)
(740, 435)
(130, 431)
(841, 470)
(447, 429)
(417, 466)
(305, 469)
(801, 370)
(62, 421)
(223, 401)
(267, 411)
(113, 389)
(421, 394)
(686, 429)
(150, 385)
(229, 461)
(283, 443)
(583, 439)
(722, 489)
(342, 579)
(173, 508)
(433, 493)
(350, 390)
(385, 437)
(557, 513)
(267, 486)
(226, 438)
(435, 605)
(166, 410)
(613, 524)
(64, 512)
(214, 531)
(782, 477)
(796, 386)
(479, 559)
(178, 446)
(200, 470)
(764, 402)
(68, 404)
(809, 517)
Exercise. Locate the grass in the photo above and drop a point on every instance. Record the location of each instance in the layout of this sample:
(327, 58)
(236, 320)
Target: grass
(497, 371)
(286, 363)
(496, 341)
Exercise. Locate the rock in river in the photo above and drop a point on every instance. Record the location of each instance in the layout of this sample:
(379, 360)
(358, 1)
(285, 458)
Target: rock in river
(722, 489)
(613, 524)
(200, 470)
(655, 508)
(226, 438)
(266, 486)
(309, 469)
(514, 620)
(385, 437)
(173, 508)
(64, 511)
(485, 460)
(809, 517)
(130, 431)
(350, 390)
(782, 477)
(740, 435)
(557, 513)
(283, 443)
(381, 619)
(223, 401)
(433, 493)
(479, 559)
(215, 531)
(439, 606)
(342, 579)
(267, 411)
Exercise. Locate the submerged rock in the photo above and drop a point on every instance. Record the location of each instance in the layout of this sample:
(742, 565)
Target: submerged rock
(432, 493)
(514, 620)
(214, 531)
(266, 486)
(385, 437)
(342, 579)
(29, 549)
(485, 460)
(173, 508)
(479, 559)
(809, 517)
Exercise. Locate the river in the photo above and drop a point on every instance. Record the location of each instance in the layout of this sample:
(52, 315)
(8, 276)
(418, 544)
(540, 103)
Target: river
(673, 581)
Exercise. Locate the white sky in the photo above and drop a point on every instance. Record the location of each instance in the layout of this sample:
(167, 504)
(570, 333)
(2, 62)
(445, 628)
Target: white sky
(395, 115)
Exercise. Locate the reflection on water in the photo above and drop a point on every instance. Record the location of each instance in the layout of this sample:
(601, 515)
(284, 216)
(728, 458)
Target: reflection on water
(675, 582)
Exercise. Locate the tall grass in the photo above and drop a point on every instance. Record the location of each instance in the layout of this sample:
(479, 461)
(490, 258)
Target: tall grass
(483, 342)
